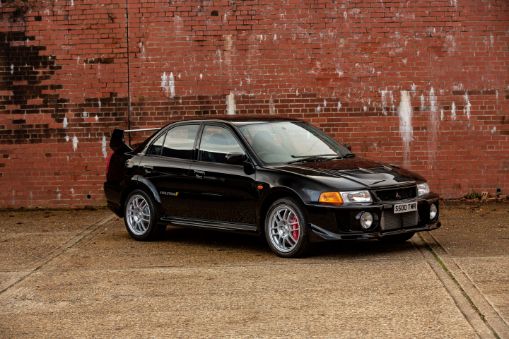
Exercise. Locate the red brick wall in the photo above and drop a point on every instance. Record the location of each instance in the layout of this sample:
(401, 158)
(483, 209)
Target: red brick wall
(358, 69)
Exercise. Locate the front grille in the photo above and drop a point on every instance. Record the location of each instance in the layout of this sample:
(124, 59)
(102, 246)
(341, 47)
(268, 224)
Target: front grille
(396, 194)
(391, 221)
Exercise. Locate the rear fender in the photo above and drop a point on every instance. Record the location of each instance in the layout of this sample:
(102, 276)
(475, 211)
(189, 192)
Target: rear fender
(148, 185)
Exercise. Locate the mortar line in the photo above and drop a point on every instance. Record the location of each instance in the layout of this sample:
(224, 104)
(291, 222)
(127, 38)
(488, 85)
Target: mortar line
(61, 250)
(443, 272)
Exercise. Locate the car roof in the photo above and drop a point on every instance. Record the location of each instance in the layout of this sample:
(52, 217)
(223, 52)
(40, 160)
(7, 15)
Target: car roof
(237, 119)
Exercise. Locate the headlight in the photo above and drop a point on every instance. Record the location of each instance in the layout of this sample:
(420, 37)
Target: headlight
(422, 189)
(356, 196)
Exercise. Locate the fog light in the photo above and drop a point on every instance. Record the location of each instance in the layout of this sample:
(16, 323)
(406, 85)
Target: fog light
(366, 220)
(433, 211)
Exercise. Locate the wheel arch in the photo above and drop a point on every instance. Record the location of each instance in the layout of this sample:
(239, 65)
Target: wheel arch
(139, 182)
(274, 195)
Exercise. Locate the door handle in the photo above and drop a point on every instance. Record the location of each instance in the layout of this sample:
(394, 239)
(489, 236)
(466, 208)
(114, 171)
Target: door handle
(199, 174)
(148, 169)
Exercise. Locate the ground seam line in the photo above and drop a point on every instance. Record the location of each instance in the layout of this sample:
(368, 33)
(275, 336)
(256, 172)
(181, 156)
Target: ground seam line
(438, 261)
(56, 253)
(467, 276)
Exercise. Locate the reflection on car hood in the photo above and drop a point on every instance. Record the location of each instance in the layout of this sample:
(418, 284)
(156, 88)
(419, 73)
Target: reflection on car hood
(362, 171)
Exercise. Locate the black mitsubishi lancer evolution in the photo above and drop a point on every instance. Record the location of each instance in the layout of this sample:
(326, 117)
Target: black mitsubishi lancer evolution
(281, 178)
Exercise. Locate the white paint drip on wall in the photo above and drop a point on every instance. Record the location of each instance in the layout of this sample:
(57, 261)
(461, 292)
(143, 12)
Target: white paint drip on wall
(201, 76)
(66, 138)
(103, 147)
(442, 114)
(99, 103)
(453, 111)
(84, 114)
(432, 100)
(494, 129)
(423, 103)
(468, 106)
(59, 194)
(365, 108)
(171, 85)
(164, 82)
(65, 122)
(324, 103)
(386, 97)
(450, 44)
(96, 118)
(413, 87)
(318, 109)
(339, 105)
(72, 3)
(75, 142)
(454, 3)
(230, 104)
(272, 107)
(434, 125)
(72, 191)
(405, 123)
(12, 69)
(492, 40)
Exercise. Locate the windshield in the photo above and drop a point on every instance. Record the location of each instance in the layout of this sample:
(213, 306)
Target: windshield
(290, 141)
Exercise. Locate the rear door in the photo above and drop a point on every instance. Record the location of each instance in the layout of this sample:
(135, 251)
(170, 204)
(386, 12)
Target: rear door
(167, 164)
(222, 192)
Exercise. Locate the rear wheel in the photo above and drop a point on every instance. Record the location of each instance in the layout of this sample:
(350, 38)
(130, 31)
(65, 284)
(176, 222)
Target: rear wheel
(285, 229)
(397, 238)
(141, 216)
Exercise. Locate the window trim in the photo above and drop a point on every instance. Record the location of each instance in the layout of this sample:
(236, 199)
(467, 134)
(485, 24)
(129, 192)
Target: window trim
(228, 128)
(165, 131)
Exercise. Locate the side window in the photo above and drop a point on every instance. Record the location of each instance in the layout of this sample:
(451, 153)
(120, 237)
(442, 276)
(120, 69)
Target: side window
(157, 145)
(216, 143)
(179, 142)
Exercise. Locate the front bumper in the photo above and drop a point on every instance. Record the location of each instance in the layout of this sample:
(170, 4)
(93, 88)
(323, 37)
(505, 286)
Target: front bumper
(342, 223)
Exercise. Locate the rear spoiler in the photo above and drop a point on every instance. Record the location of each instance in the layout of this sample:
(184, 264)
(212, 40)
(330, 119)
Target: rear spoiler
(117, 137)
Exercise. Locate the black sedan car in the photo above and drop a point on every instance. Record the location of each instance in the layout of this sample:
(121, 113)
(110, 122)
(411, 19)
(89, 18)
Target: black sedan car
(284, 179)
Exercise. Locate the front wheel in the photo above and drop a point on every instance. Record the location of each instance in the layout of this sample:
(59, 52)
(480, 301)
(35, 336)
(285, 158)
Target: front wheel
(285, 229)
(141, 216)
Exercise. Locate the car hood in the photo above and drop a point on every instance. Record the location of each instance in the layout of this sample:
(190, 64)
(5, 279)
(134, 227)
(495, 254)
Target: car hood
(363, 172)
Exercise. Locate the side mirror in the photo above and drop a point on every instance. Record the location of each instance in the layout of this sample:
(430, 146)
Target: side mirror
(348, 147)
(249, 168)
(235, 158)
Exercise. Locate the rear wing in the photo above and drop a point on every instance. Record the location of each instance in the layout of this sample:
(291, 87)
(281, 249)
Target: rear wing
(117, 137)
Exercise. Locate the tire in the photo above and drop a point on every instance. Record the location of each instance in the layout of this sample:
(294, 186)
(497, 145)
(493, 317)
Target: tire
(141, 216)
(398, 238)
(286, 229)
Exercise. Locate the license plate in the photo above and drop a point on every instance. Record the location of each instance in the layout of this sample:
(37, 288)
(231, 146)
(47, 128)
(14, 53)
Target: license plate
(404, 208)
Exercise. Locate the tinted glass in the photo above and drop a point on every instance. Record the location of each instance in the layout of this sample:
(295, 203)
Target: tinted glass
(216, 143)
(179, 142)
(288, 141)
(157, 145)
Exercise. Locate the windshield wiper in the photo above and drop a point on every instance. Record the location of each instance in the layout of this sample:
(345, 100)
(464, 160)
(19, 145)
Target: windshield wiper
(304, 158)
(349, 155)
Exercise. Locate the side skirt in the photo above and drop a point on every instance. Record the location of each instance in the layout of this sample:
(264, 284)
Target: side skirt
(210, 224)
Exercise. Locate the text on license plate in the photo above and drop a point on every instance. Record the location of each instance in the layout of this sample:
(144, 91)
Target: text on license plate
(407, 207)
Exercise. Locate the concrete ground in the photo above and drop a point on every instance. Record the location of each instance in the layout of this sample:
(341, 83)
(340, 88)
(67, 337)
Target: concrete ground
(77, 273)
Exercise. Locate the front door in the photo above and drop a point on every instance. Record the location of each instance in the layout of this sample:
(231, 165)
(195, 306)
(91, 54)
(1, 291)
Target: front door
(222, 192)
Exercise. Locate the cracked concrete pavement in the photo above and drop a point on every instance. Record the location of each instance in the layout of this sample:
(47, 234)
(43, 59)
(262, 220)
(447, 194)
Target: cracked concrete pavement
(78, 274)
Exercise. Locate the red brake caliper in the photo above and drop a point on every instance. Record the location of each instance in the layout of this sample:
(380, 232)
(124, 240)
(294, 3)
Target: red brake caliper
(295, 226)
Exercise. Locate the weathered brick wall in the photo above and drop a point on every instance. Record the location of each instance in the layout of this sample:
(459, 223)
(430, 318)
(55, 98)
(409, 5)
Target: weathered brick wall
(423, 84)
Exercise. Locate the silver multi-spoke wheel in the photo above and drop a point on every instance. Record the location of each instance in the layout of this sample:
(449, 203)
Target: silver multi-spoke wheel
(285, 228)
(138, 214)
